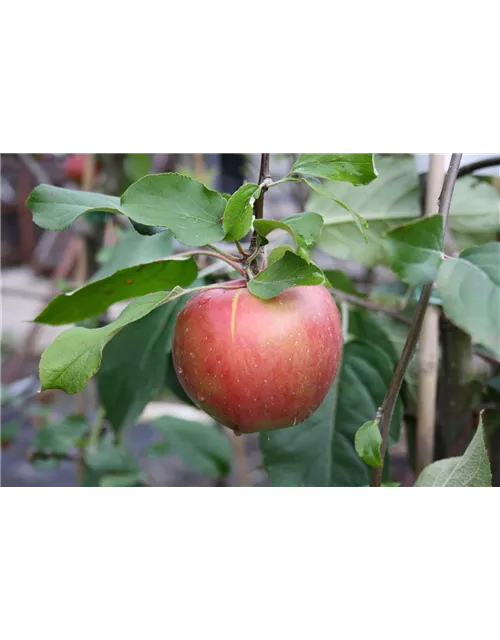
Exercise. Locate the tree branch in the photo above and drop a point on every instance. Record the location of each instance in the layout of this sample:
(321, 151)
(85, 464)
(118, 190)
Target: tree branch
(264, 182)
(369, 304)
(387, 408)
(479, 164)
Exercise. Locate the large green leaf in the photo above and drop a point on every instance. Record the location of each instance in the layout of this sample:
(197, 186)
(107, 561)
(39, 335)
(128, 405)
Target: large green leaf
(201, 447)
(133, 248)
(239, 212)
(470, 291)
(94, 298)
(191, 211)
(289, 271)
(56, 208)
(133, 365)
(470, 470)
(415, 250)
(356, 168)
(397, 332)
(394, 199)
(364, 326)
(320, 452)
(75, 355)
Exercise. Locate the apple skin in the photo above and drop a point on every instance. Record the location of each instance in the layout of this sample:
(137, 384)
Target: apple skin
(74, 166)
(258, 365)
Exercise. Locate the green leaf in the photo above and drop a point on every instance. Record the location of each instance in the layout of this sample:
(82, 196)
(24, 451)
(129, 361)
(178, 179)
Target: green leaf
(394, 199)
(172, 382)
(121, 480)
(364, 326)
(108, 458)
(320, 452)
(185, 206)
(415, 250)
(306, 225)
(147, 230)
(277, 253)
(470, 470)
(75, 355)
(303, 227)
(93, 299)
(238, 215)
(201, 447)
(289, 271)
(361, 223)
(356, 168)
(340, 280)
(133, 365)
(132, 249)
(56, 208)
(367, 442)
(60, 437)
(469, 287)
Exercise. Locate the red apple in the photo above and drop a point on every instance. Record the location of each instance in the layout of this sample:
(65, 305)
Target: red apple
(258, 365)
(74, 166)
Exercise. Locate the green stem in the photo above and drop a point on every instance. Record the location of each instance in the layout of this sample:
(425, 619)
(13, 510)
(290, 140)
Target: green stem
(240, 249)
(282, 181)
(95, 429)
(229, 256)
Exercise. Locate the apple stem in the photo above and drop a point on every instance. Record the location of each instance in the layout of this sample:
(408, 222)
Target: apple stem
(214, 254)
(256, 253)
(385, 411)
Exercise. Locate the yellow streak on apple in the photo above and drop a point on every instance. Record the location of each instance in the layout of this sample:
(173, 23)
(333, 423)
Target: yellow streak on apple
(233, 312)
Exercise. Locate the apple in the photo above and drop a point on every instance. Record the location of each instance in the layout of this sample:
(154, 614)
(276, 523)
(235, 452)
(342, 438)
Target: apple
(74, 166)
(257, 365)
